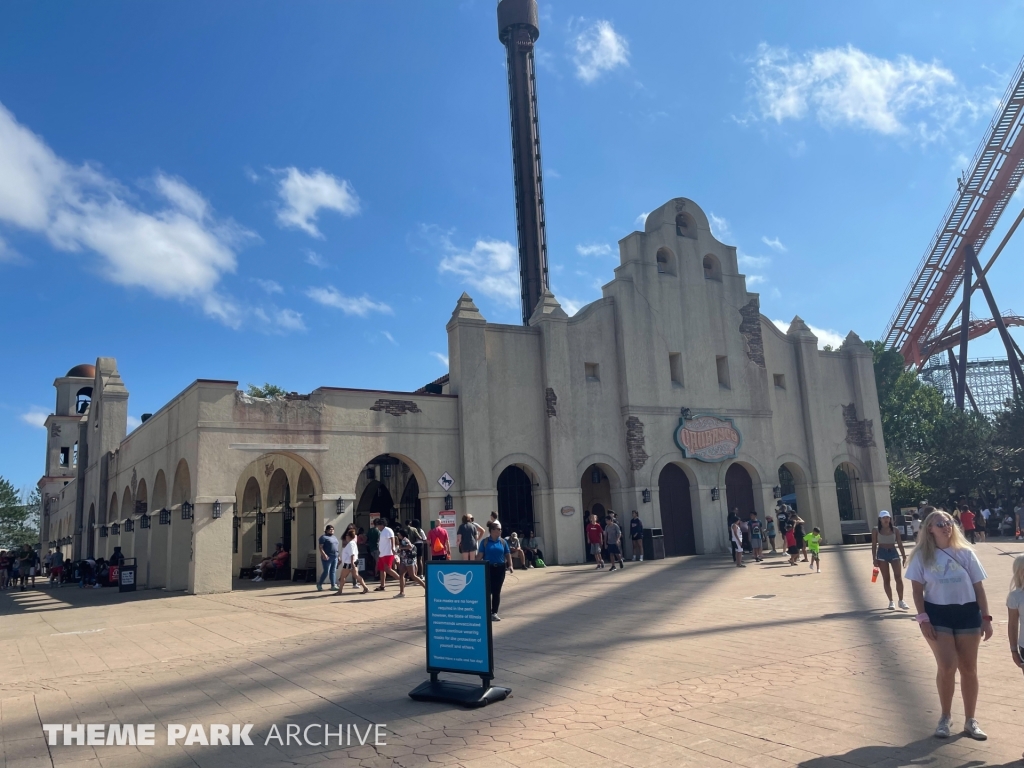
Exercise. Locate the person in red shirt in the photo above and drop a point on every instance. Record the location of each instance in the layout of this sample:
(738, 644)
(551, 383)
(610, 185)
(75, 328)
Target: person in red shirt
(967, 521)
(595, 539)
(437, 542)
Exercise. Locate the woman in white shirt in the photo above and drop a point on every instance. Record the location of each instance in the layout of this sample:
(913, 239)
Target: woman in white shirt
(952, 611)
(350, 561)
(1015, 611)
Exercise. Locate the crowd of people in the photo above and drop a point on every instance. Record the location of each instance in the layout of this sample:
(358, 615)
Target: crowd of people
(401, 553)
(20, 567)
(749, 535)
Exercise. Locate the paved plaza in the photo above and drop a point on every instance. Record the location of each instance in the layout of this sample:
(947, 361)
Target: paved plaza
(681, 662)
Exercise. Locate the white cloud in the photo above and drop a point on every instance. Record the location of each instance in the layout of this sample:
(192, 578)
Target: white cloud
(551, 173)
(389, 337)
(8, 255)
(491, 267)
(719, 226)
(350, 305)
(178, 251)
(134, 422)
(305, 195)
(314, 258)
(753, 280)
(599, 49)
(848, 86)
(641, 220)
(595, 249)
(746, 261)
(825, 337)
(250, 174)
(443, 359)
(571, 306)
(270, 286)
(289, 320)
(36, 416)
(774, 243)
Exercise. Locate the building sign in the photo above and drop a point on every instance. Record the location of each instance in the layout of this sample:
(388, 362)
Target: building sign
(568, 511)
(447, 521)
(707, 438)
(458, 621)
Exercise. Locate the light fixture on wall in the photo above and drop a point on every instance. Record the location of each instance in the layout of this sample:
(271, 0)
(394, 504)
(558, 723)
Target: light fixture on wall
(186, 510)
(144, 521)
(217, 511)
(595, 476)
(115, 529)
(129, 525)
(339, 507)
(371, 473)
(103, 531)
(715, 494)
(261, 518)
(777, 491)
(236, 521)
(53, 544)
(449, 504)
(165, 516)
(646, 493)
(289, 514)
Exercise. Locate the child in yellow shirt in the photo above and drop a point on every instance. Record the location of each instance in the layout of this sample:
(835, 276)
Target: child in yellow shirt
(813, 540)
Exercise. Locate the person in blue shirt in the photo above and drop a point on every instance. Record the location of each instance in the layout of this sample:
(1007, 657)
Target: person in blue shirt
(494, 551)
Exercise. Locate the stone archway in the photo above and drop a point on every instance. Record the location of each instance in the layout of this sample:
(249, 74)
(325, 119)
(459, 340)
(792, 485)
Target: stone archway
(739, 491)
(676, 512)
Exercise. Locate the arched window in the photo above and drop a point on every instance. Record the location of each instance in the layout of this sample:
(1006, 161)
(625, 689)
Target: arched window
(686, 226)
(515, 501)
(712, 268)
(666, 261)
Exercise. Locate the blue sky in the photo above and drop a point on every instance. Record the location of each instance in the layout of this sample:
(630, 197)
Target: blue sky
(299, 192)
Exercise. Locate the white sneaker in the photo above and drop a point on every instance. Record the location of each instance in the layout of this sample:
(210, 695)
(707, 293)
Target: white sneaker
(258, 578)
(811, 566)
(972, 729)
(904, 606)
(892, 606)
(495, 617)
(942, 729)
(641, 558)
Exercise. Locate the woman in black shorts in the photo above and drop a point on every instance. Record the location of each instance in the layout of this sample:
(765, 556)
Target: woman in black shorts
(952, 611)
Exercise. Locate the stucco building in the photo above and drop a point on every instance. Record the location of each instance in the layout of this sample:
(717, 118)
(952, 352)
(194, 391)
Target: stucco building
(671, 395)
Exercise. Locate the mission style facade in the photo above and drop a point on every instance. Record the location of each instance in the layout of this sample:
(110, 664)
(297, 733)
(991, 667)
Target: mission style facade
(671, 395)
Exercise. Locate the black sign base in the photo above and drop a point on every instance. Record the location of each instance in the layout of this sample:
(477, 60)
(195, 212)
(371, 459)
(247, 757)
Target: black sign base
(463, 694)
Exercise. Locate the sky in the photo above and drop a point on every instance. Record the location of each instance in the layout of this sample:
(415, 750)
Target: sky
(298, 193)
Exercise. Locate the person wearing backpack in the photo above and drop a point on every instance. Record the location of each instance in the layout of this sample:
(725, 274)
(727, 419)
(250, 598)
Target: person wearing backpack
(437, 542)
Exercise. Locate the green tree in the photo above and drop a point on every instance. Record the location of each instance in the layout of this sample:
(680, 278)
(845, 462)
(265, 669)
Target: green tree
(267, 390)
(19, 517)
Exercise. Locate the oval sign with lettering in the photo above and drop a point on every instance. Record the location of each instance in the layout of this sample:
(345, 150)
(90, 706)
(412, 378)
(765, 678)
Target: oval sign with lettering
(707, 438)
(568, 511)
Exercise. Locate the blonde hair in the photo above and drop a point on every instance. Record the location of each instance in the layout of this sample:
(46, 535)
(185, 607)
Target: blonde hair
(925, 548)
(1018, 573)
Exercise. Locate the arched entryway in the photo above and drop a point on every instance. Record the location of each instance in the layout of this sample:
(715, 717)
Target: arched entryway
(787, 487)
(515, 501)
(739, 491)
(279, 511)
(409, 507)
(676, 512)
(848, 492)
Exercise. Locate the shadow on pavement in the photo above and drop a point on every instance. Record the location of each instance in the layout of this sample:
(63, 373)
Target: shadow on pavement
(919, 752)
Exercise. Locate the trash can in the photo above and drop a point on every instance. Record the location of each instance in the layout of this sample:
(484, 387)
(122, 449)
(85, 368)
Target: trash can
(654, 544)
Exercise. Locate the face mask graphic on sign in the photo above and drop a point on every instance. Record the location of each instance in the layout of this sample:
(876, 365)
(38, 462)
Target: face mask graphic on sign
(454, 581)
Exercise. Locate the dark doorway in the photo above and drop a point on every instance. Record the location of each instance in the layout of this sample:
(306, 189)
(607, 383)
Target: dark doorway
(739, 491)
(409, 508)
(846, 492)
(286, 528)
(515, 502)
(375, 502)
(676, 512)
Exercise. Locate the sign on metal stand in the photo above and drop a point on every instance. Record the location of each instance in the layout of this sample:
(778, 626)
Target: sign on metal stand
(126, 576)
(459, 634)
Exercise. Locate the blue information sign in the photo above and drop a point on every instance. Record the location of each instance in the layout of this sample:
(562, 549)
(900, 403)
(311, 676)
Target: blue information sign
(458, 619)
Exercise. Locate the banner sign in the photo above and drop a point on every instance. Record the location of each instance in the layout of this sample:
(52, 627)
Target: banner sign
(458, 619)
(707, 438)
